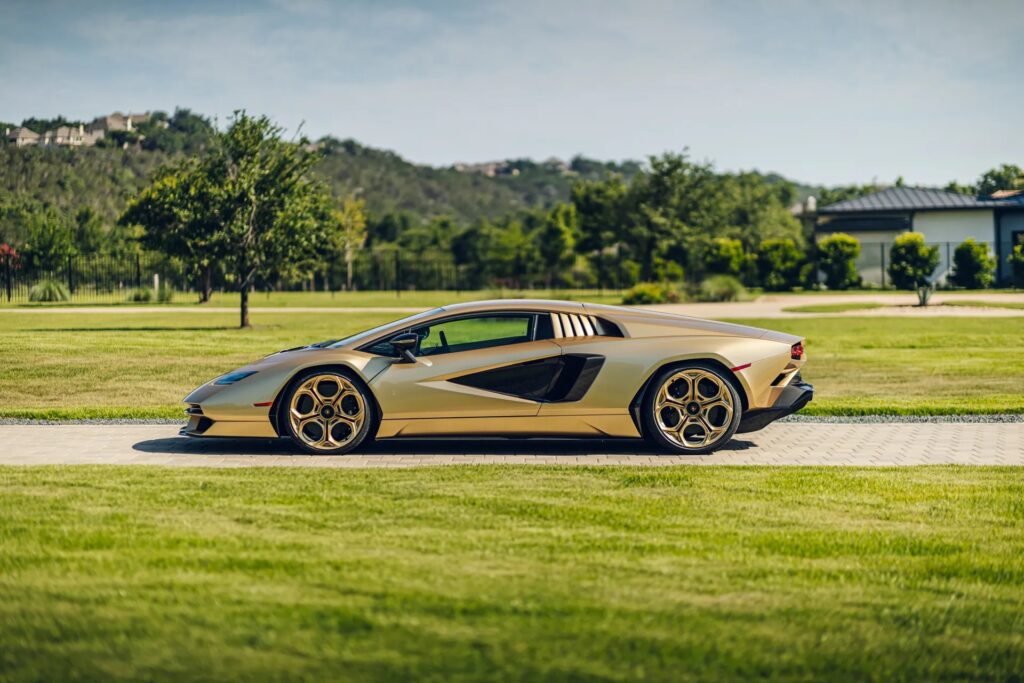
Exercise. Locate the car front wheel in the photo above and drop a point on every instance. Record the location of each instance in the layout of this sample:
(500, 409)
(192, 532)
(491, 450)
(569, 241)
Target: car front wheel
(691, 409)
(327, 412)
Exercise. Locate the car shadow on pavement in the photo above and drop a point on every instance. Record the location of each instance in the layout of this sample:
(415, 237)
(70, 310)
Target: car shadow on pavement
(222, 447)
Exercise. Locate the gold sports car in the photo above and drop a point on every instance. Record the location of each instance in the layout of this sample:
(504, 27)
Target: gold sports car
(514, 369)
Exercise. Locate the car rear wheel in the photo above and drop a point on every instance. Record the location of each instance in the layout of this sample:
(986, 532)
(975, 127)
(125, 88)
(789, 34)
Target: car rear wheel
(691, 409)
(327, 412)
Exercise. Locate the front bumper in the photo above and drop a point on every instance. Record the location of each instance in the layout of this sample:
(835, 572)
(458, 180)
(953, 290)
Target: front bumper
(201, 425)
(794, 397)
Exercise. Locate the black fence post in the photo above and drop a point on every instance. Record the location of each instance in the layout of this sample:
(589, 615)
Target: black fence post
(8, 267)
(138, 271)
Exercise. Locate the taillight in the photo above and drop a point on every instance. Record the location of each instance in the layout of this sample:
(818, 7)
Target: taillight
(797, 352)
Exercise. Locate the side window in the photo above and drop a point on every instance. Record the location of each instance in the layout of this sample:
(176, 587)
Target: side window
(481, 332)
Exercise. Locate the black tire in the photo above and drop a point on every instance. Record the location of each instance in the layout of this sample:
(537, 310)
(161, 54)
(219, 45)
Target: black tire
(324, 422)
(718, 417)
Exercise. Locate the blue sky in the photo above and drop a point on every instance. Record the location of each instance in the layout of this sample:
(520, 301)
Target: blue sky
(829, 92)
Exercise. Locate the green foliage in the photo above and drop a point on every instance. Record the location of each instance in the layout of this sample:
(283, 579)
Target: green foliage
(781, 265)
(911, 264)
(1005, 177)
(248, 203)
(837, 258)
(831, 195)
(48, 291)
(165, 295)
(721, 288)
(1016, 261)
(646, 293)
(183, 132)
(725, 256)
(556, 238)
(973, 266)
(42, 125)
(141, 295)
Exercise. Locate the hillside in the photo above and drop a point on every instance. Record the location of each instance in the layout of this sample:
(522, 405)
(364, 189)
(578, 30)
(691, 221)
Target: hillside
(103, 179)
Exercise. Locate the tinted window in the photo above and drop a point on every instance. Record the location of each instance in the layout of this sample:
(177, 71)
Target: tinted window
(467, 334)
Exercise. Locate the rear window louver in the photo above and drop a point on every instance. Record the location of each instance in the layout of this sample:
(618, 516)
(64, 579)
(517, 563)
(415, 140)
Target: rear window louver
(576, 325)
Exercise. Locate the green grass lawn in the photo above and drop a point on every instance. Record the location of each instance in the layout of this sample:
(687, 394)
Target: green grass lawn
(832, 308)
(102, 364)
(985, 304)
(511, 574)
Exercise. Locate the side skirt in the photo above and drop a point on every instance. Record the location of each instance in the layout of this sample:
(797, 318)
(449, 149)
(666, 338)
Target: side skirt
(611, 426)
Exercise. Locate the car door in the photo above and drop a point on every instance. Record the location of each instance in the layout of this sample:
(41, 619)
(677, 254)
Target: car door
(477, 365)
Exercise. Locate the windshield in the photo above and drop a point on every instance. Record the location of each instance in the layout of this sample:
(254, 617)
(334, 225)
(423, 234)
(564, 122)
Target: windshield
(368, 334)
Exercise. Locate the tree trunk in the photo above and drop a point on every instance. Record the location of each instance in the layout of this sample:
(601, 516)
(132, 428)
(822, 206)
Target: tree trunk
(348, 265)
(206, 286)
(245, 304)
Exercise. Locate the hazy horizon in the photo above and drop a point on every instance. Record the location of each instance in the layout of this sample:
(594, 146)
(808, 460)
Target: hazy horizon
(823, 93)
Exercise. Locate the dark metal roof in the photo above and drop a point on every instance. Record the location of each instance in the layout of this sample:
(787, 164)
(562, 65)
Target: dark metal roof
(918, 199)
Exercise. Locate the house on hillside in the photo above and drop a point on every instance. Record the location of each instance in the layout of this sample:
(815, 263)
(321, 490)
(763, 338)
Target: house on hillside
(22, 137)
(944, 218)
(66, 136)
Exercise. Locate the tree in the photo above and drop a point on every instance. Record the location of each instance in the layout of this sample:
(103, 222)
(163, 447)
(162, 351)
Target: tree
(1005, 177)
(837, 258)
(250, 199)
(556, 239)
(1016, 261)
(182, 216)
(724, 256)
(781, 265)
(50, 241)
(973, 266)
(911, 264)
(350, 234)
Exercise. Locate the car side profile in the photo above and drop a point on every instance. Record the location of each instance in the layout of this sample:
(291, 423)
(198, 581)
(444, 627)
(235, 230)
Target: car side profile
(515, 368)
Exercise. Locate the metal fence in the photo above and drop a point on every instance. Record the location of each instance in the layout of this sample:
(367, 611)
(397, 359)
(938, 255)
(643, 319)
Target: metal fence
(874, 261)
(89, 279)
(116, 279)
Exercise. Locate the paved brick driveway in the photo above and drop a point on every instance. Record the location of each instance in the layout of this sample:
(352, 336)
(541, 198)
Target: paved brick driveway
(781, 444)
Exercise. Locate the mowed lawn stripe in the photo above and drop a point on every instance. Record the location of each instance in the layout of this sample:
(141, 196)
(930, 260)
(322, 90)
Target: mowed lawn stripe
(512, 573)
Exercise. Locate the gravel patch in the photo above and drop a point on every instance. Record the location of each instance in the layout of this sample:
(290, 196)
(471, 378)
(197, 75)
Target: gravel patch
(811, 419)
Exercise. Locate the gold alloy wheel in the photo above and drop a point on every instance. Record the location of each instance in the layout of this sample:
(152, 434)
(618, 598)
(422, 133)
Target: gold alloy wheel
(326, 412)
(694, 408)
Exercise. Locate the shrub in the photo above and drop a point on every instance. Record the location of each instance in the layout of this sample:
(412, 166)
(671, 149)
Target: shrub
(724, 256)
(721, 288)
(165, 295)
(1016, 261)
(781, 265)
(911, 264)
(973, 266)
(48, 291)
(141, 295)
(837, 258)
(650, 293)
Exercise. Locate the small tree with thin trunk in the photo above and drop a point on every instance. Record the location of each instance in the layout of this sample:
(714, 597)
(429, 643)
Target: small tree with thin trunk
(349, 233)
(911, 264)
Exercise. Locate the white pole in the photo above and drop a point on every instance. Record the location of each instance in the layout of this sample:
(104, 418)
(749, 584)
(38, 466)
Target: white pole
(156, 284)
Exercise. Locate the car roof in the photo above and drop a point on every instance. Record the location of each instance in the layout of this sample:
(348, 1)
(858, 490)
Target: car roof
(514, 305)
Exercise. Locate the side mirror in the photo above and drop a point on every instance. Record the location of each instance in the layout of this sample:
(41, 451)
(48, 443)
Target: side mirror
(405, 344)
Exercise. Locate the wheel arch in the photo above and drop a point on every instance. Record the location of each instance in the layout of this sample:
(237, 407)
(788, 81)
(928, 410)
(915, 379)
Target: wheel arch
(730, 376)
(277, 408)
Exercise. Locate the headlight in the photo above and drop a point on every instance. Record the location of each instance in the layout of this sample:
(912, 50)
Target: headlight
(233, 377)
